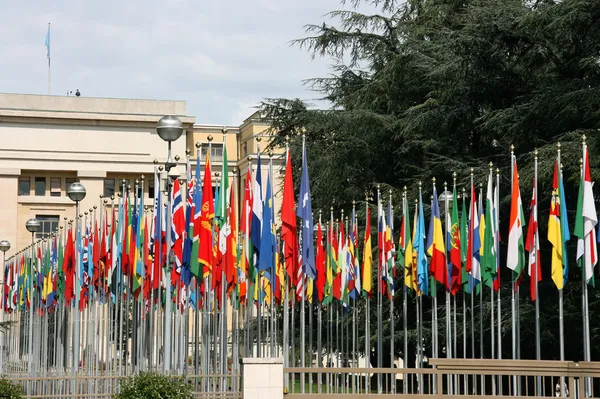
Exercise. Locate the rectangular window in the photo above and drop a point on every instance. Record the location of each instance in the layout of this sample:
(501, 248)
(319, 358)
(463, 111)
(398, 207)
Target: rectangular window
(48, 224)
(40, 186)
(24, 186)
(216, 152)
(68, 182)
(109, 187)
(55, 189)
(140, 191)
(151, 189)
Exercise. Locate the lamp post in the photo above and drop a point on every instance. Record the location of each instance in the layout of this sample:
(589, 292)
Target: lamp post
(32, 226)
(76, 192)
(4, 246)
(169, 128)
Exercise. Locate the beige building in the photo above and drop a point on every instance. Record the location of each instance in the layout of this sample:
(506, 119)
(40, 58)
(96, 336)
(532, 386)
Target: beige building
(48, 142)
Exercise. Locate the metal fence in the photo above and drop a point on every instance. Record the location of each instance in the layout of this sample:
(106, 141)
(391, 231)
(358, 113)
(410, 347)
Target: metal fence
(449, 377)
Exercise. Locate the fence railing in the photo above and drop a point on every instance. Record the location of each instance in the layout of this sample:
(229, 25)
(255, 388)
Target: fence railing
(213, 386)
(450, 377)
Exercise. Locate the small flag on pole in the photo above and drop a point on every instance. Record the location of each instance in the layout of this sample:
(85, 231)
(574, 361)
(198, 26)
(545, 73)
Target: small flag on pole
(48, 41)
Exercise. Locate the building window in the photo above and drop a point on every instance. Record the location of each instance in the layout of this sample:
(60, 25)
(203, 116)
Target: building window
(40, 186)
(68, 182)
(24, 186)
(48, 224)
(140, 191)
(245, 149)
(55, 189)
(216, 152)
(109, 187)
(151, 189)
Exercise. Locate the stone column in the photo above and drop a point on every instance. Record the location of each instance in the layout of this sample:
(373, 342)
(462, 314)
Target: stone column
(262, 378)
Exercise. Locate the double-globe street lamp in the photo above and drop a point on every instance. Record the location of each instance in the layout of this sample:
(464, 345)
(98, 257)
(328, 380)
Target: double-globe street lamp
(169, 128)
(33, 226)
(76, 192)
(4, 246)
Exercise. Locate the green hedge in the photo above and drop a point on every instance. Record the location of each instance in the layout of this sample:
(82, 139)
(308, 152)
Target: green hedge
(10, 390)
(154, 386)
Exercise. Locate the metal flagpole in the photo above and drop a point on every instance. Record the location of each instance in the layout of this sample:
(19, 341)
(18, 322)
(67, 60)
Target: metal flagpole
(405, 217)
(492, 307)
(586, 321)
(48, 56)
(379, 297)
(367, 316)
(481, 298)
(393, 289)
(319, 326)
(561, 321)
(434, 315)
(302, 322)
(448, 224)
(513, 299)
(274, 272)
(538, 350)
(497, 243)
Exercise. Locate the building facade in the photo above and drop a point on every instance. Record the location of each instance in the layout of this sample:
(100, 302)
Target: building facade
(49, 142)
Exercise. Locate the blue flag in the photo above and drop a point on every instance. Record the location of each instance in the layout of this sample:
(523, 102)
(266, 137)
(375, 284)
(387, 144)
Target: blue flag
(48, 41)
(305, 213)
(419, 246)
(267, 240)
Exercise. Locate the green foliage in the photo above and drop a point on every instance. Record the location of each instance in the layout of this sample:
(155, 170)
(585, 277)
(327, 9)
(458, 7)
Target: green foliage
(154, 386)
(11, 390)
(424, 88)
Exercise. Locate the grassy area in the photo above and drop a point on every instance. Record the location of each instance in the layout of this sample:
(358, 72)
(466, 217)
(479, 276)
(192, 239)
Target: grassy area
(297, 388)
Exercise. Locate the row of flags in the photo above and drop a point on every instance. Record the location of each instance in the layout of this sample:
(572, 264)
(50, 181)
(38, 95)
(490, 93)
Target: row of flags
(214, 258)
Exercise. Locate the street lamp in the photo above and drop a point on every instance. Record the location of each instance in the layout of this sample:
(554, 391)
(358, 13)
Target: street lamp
(4, 246)
(76, 192)
(169, 128)
(32, 226)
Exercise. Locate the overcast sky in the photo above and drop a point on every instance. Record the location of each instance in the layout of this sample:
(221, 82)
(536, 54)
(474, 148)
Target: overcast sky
(221, 56)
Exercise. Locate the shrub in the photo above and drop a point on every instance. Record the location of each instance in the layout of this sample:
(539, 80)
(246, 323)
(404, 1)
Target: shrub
(11, 390)
(154, 386)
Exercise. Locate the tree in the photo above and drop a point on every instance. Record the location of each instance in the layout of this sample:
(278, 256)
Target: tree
(425, 88)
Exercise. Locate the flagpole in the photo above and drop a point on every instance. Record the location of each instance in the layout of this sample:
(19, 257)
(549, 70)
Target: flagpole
(586, 321)
(497, 243)
(319, 323)
(405, 300)
(448, 304)
(379, 297)
(367, 310)
(538, 350)
(393, 292)
(561, 321)
(513, 299)
(434, 313)
(464, 306)
(492, 307)
(49, 70)
(481, 284)
(419, 306)
(455, 387)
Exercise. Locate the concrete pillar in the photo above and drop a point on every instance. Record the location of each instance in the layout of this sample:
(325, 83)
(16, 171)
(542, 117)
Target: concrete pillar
(262, 378)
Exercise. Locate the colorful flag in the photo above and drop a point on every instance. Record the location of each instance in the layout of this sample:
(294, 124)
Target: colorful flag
(532, 246)
(305, 213)
(515, 259)
(435, 244)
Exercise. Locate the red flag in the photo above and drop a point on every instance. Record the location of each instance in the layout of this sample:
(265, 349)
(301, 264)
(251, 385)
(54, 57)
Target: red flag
(231, 252)
(205, 252)
(69, 268)
(289, 232)
(320, 260)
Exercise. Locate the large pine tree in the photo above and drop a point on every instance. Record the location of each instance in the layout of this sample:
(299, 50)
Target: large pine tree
(425, 88)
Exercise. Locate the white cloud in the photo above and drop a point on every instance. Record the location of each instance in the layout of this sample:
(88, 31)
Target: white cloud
(222, 57)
